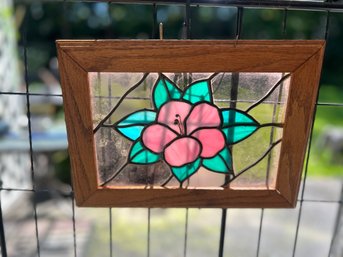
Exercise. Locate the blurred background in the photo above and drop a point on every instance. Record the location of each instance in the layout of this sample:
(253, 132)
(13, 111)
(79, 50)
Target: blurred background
(38, 213)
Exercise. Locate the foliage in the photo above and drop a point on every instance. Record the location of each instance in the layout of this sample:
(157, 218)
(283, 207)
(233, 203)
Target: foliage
(49, 21)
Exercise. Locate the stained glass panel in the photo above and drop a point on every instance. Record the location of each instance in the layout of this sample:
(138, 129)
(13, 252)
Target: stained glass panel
(189, 129)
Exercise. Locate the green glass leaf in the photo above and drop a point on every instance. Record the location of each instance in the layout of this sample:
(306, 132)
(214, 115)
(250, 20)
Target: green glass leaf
(232, 117)
(237, 125)
(140, 155)
(236, 134)
(132, 125)
(183, 172)
(222, 162)
(198, 91)
(164, 91)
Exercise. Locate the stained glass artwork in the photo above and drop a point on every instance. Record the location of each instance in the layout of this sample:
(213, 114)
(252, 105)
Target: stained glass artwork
(176, 129)
(188, 123)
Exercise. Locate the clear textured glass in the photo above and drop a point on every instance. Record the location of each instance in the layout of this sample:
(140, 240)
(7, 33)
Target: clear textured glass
(247, 135)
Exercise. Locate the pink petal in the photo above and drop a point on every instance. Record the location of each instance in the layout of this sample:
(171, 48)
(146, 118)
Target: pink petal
(212, 141)
(168, 113)
(156, 136)
(182, 151)
(203, 115)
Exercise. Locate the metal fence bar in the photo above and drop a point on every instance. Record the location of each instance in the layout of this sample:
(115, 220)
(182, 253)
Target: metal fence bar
(333, 6)
(74, 225)
(148, 234)
(2, 233)
(286, 5)
(337, 226)
(47, 190)
(233, 99)
(284, 22)
(154, 35)
(110, 231)
(328, 104)
(185, 242)
(187, 34)
(30, 94)
(308, 156)
(28, 114)
(222, 233)
(260, 233)
(154, 22)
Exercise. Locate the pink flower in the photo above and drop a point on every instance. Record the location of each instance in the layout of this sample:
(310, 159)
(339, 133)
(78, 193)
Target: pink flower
(184, 132)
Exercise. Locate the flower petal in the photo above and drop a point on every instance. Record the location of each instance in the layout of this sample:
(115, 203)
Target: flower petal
(168, 114)
(203, 115)
(182, 151)
(156, 137)
(212, 141)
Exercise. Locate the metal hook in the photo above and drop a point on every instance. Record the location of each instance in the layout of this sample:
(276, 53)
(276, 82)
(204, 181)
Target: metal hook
(236, 40)
(161, 30)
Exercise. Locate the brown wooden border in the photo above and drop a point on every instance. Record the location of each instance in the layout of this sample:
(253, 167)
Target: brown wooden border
(303, 59)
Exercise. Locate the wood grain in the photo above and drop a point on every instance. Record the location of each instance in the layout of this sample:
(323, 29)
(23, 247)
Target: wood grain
(302, 59)
(190, 55)
(78, 115)
(180, 198)
(302, 97)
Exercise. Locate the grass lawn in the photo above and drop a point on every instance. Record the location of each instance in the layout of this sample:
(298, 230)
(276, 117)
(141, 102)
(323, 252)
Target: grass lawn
(322, 162)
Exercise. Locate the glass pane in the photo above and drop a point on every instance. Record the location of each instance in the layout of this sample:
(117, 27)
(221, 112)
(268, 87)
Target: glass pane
(197, 129)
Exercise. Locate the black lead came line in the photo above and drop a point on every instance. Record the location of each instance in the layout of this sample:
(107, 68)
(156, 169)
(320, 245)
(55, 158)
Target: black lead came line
(268, 93)
(115, 174)
(257, 161)
(121, 99)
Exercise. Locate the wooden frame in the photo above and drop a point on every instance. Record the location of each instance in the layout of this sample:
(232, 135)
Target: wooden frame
(303, 59)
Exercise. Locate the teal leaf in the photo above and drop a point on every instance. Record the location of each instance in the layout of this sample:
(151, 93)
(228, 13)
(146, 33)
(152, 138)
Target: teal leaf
(185, 171)
(237, 125)
(233, 116)
(132, 125)
(234, 135)
(198, 91)
(140, 155)
(164, 91)
(222, 162)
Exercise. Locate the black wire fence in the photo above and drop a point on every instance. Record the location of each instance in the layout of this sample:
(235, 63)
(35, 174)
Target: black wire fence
(222, 221)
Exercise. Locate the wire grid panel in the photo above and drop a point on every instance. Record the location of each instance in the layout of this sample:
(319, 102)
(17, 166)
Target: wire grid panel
(144, 225)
